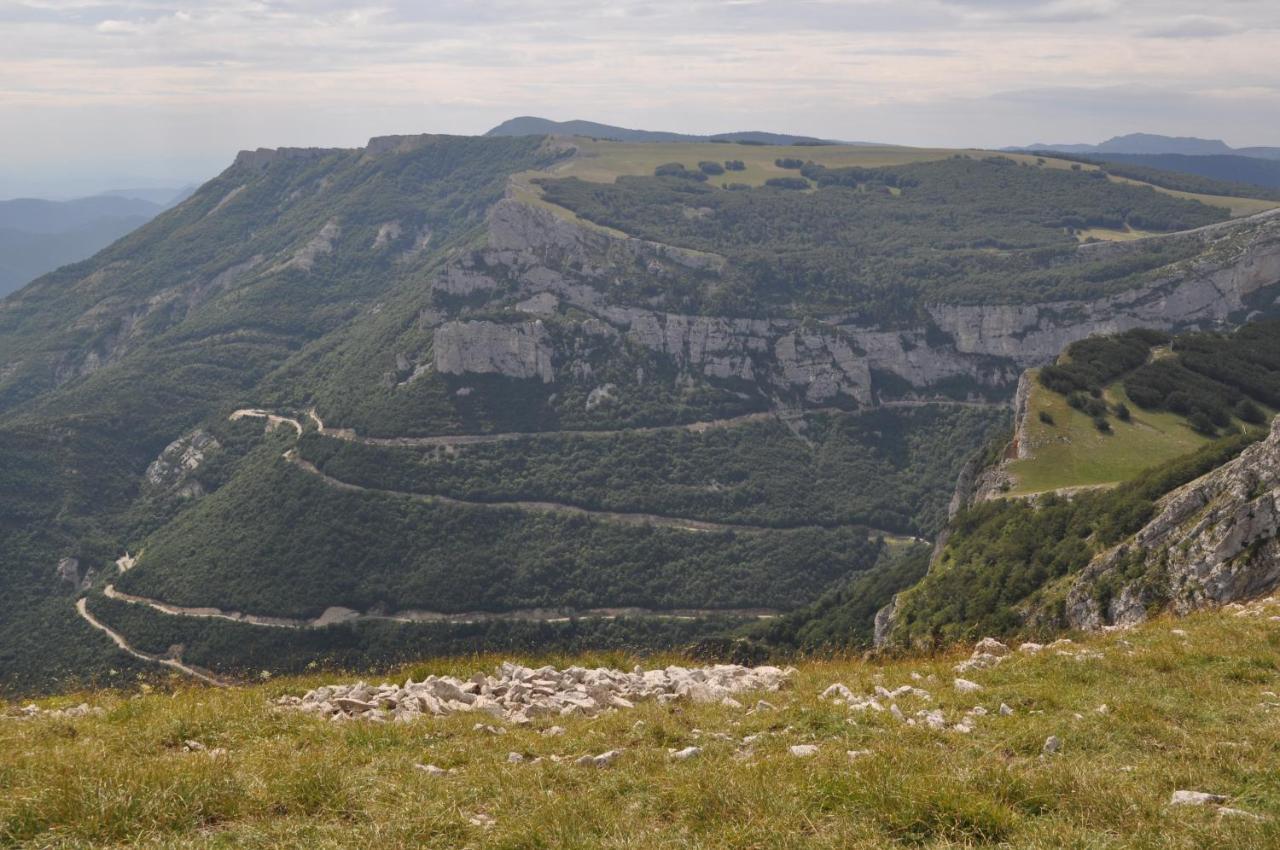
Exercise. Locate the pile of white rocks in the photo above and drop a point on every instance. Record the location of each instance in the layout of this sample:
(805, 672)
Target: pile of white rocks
(520, 694)
(33, 711)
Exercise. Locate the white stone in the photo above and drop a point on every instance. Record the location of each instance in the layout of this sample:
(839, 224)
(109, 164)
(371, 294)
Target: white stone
(1196, 798)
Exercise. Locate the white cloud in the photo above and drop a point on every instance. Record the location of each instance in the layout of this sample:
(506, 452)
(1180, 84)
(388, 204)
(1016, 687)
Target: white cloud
(1196, 26)
(203, 78)
(114, 27)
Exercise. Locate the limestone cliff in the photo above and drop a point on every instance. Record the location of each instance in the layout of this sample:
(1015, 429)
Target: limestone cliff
(519, 351)
(1212, 542)
(548, 259)
(172, 471)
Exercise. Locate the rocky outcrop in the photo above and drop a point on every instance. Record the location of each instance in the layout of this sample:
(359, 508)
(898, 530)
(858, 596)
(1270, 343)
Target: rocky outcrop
(67, 574)
(1240, 259)
(538, 250)
(258, 161)
(319, 245)
(520, 694)
(520, 350)
(172, 471)
(1211, 542)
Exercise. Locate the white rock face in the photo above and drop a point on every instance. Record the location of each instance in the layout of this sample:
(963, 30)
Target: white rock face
(1211, 542)
(990, 344)
(172, 469)
(520, 350)
(519, 694)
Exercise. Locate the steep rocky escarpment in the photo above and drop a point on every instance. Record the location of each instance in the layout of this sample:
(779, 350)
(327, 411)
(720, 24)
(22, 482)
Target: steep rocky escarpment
(545, 262)
(1211, 542)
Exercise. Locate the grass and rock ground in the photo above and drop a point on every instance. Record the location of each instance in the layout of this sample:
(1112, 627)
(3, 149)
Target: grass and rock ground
(1190, 705)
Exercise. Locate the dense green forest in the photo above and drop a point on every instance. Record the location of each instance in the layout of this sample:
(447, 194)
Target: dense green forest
(277, 540)
(107, 361)
(880, 241)
(845, 616)
(1210, 378)
(891, 469)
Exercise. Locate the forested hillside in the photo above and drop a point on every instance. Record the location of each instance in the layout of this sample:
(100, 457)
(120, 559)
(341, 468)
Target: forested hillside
(1007, 564)
(881, 241)
(466, 392)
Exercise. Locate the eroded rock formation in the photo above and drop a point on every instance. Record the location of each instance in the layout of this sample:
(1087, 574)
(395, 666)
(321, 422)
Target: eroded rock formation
(1211, 542)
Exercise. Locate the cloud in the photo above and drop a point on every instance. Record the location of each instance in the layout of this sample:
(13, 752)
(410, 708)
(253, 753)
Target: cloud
(144, 77)
(1196, 26)
(114, 27)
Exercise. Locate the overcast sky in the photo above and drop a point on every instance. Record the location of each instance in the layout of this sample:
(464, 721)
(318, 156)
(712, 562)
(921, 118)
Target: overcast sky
(153, 91)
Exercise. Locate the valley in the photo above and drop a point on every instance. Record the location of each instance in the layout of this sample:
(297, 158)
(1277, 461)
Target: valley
(477, 392)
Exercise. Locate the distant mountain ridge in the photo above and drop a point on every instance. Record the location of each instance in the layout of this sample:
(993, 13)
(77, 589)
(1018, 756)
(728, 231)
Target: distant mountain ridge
(1151, 143)
(533, 126)
(1230, 168)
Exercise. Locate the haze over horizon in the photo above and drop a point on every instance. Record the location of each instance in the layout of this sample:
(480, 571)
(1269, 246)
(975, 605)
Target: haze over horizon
(84, 80)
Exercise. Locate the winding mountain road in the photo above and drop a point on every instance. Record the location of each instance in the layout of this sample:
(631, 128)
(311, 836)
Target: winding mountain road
(82, 608)
(537, 506)
(337, 614)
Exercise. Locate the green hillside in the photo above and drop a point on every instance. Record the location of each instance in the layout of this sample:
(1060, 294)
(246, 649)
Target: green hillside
(1088, 425)
(531, 381)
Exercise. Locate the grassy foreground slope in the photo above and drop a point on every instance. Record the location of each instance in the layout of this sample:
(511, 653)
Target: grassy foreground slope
(1190, 705)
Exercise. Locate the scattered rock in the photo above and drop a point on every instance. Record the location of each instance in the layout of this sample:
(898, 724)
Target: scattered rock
(964, 686)
(1052, 745)
(991, 646)
(1196, 798)
(431, 769)
(603, 760)
(686, 753)
(518, 694)
(837, 690)
(854, 755)
(804, 751)
(32, 711)
(1005, 711)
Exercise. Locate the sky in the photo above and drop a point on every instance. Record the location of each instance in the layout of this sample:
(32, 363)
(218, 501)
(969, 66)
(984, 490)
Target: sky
(98, 94)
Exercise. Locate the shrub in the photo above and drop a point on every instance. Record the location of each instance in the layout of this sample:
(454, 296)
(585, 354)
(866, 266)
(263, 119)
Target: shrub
(787, 183)
(1046, 417)
(711, 168)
